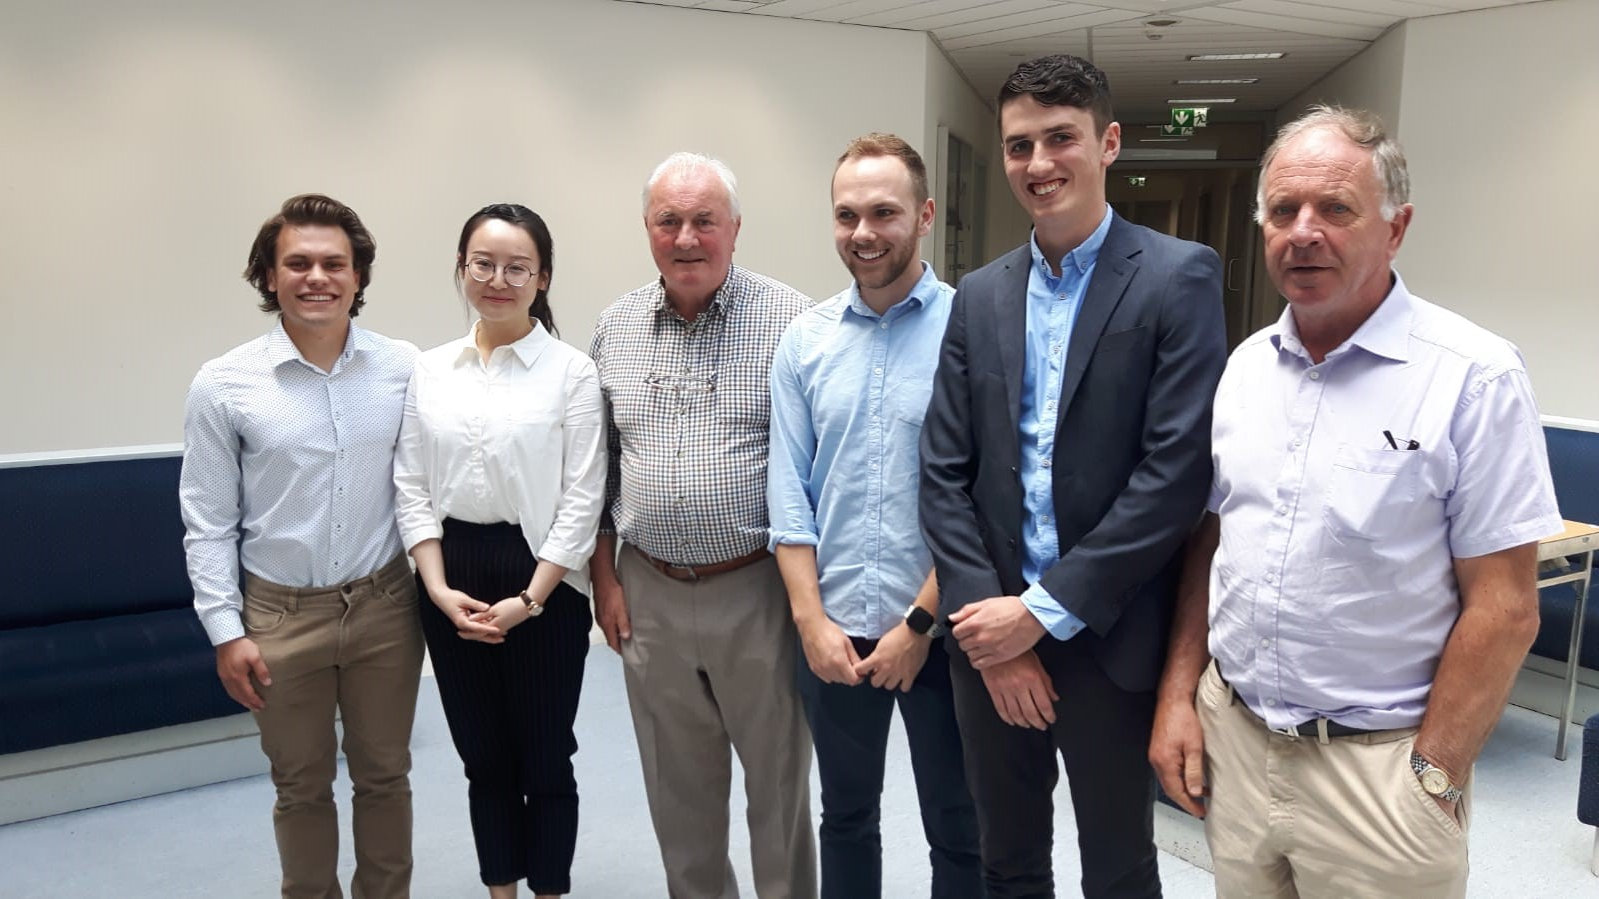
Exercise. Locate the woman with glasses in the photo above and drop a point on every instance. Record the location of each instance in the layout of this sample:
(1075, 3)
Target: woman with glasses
(501, 475)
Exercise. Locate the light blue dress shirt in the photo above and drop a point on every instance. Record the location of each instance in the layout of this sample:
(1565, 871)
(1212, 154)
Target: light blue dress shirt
(849, 391)
(1052, 306)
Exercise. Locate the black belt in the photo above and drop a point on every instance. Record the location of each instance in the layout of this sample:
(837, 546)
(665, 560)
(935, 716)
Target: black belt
(1312, 728)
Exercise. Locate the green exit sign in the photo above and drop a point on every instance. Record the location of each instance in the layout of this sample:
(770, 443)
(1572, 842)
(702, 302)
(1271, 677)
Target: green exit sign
(1190, 116)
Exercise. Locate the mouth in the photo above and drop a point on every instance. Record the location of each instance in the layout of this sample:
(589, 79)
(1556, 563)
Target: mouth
(1046, 188)
(316, 298)
(499, 299)
(869, 255)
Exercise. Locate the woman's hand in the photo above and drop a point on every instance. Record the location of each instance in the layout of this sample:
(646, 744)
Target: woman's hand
(502, 616)
(464, 612)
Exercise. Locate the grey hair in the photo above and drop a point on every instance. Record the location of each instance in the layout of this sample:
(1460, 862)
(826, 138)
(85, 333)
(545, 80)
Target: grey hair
(1361, 127)
(686, 165)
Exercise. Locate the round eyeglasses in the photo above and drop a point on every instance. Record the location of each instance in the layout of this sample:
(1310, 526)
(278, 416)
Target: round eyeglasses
(516, 274)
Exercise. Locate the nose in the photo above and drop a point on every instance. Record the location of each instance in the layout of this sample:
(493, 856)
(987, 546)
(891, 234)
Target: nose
(1037, 165)
(1306, 229)
(318, 274)
(499, 278)
(863, 232)
(686, 238)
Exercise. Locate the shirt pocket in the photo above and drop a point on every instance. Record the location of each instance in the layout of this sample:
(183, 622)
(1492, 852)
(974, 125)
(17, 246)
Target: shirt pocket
(1370, 491)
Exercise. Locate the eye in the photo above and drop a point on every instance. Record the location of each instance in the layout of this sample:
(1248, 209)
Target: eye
(518, 270)
(296, 264)
(336, 265)
(705, 224)
(885, 213)
(1060, 137)
(1019, 147)
(844, 215)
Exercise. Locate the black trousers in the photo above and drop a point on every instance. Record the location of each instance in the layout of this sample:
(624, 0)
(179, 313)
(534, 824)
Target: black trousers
(1102, 734)
(511, 707)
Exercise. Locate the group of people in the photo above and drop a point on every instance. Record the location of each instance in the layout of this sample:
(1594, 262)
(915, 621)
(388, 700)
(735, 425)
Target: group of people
(1041, 514)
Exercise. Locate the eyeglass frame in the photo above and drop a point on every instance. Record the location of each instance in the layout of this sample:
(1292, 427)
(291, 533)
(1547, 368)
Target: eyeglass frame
(470, 265)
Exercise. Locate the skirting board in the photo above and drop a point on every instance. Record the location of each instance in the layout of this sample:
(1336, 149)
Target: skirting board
(59, 779)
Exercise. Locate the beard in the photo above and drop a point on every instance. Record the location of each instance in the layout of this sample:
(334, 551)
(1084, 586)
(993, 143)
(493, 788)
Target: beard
(885, 272)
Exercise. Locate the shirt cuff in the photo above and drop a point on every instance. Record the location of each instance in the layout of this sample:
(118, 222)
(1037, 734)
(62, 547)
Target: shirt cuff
(776, 538)
(1061, 624)
(222, 625)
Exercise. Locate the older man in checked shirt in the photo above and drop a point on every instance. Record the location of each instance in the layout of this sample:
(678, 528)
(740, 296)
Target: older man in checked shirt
(703, 627)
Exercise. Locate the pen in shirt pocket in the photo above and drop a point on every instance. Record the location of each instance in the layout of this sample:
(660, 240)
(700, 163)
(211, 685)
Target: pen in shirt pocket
(1409, 444)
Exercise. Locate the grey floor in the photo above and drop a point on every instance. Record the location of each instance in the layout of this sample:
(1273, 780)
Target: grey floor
(216, 841)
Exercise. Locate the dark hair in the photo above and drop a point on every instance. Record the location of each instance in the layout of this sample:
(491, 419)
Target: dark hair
(310, 209)
(880, 144)
(529, 221)
(1062, 80)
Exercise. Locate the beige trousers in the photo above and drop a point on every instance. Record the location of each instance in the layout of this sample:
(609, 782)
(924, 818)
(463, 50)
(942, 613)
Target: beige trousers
(710, 670)
(1292, 816)
(356, 648)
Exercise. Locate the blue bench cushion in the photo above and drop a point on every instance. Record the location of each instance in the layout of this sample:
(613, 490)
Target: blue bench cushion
(79, 680)
(91, 539)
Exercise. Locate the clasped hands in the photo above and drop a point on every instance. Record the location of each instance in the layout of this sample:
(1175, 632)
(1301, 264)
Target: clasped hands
(998, 634)
(477, 620)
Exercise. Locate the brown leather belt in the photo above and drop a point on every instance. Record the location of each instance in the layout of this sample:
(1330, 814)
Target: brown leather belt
(699, 572)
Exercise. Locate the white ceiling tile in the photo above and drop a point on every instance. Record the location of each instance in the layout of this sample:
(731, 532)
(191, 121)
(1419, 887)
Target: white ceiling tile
(1285, 23)
(1315, 12)
(976, 12)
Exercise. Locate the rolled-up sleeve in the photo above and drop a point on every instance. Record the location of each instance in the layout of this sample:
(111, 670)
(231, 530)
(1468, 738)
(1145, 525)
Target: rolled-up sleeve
(790, 507)
(570, 541)
(413, 492)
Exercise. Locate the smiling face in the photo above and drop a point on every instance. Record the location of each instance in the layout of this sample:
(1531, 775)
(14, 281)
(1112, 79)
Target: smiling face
(502, 245)
(1056, 164)
(1328, 248)
(692, 232)
(314, 277)
(877, 224)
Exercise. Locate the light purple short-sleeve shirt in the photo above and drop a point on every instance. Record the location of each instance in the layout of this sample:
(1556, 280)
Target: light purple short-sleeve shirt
(1333, 588)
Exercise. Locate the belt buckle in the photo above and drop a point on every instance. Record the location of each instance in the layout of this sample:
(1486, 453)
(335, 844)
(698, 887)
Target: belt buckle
(1290, 732)
(693, 576)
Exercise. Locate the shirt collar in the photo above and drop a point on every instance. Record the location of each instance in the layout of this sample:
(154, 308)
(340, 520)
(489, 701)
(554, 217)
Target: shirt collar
(721, 301)
(922, 292)
(280, 347)
(527, 349)
(1082, 257)
(1386, 332)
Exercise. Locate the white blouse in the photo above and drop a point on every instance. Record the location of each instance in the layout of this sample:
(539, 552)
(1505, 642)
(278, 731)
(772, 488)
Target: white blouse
(519, 440)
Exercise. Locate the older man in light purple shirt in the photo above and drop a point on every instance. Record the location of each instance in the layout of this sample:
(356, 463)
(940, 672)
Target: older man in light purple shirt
(1368, 565)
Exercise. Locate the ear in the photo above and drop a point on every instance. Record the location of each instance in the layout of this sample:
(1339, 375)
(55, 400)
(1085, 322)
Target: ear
(1110, 144)
(272, 279)
(732, 241)
(924, 221)
(1397, 229)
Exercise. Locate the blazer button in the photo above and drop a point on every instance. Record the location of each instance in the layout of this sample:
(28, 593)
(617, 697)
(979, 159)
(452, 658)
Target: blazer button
(1013, 469)
(1011, 543)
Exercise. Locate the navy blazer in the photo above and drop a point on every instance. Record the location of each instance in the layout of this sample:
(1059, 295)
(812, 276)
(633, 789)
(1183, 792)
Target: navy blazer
(1132, 466)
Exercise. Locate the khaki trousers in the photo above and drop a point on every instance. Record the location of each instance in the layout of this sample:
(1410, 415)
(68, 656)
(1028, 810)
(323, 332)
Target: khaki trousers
(356, 648)
(710, 667)
(1292, 816)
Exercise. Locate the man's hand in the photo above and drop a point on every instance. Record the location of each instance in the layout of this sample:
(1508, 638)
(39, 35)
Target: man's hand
(829, 651)
(502, 616)
(1022, 692)
(236, 660)
(610, 610)
(896, 661)
(459, 608)
(1177, 753)
(995, 630)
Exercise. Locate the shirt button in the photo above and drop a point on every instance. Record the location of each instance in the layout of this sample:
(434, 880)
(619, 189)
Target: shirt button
(877, 371)
(1282, 510)
(883, 325)
(1271, 702)
(1271, 578)
(1046, 462)
(1265, 644)
(1315, 376)
(1044, 518)
(1298, 443)
(1050, 405)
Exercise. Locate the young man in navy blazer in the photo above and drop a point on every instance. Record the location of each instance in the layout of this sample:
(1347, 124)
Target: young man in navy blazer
(1065, 457)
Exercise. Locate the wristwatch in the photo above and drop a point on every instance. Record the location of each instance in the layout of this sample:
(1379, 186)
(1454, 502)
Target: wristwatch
(1434, 780)
(921, 621)
(534, 607)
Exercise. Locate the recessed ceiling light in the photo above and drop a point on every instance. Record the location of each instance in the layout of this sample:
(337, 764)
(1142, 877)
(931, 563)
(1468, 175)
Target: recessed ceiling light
(1216, 81)
(1202, 101)
(1223, 57)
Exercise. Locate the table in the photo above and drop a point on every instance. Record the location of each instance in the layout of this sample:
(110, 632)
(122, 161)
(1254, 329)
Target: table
(1574, 548)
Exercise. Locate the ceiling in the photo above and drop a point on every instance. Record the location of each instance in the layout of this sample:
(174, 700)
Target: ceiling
(987, 38)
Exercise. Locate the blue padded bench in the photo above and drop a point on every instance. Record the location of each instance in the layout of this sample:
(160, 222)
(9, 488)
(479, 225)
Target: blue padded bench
(98, 635)
(1574, 462)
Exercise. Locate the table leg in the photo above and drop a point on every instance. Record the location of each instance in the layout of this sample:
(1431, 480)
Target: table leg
(1579, 612)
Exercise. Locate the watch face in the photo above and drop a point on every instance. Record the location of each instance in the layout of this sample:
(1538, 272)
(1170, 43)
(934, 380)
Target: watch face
(1435, 782)
(534, 611)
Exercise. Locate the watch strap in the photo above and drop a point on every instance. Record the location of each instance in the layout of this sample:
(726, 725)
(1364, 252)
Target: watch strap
(1424, 768)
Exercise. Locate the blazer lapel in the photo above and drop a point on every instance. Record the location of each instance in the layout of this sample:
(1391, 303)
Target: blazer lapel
(1111, 274)
(1010, 323)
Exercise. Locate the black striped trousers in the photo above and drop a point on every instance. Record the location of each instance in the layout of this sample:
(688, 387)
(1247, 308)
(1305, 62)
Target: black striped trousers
(511, 707)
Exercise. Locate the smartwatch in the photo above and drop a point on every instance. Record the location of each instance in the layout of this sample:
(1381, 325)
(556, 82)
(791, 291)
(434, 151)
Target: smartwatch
(921, 621)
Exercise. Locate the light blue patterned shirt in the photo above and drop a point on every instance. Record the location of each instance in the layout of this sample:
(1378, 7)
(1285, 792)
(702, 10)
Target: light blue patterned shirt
(1052, 305)
(849, 390)
(288, 470)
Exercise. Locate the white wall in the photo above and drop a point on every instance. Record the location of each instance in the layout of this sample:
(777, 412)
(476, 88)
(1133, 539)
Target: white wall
(954, 105)
(1501, 117)
(144, 144)
(1372, 79)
